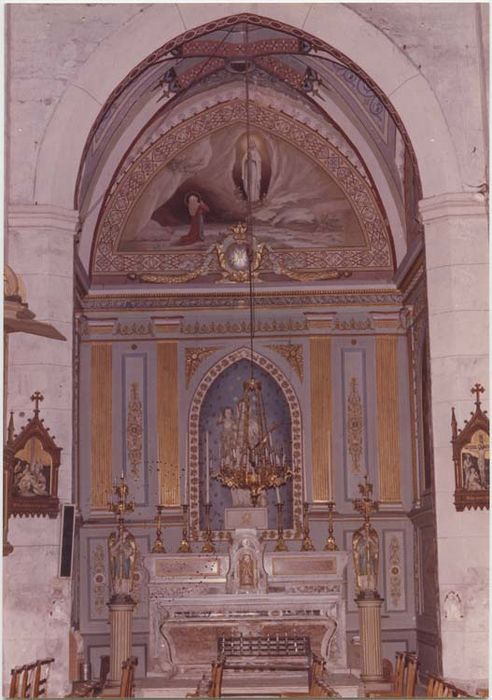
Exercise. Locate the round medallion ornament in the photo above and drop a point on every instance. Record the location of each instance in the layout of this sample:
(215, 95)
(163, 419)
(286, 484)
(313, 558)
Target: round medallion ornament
(234, 255)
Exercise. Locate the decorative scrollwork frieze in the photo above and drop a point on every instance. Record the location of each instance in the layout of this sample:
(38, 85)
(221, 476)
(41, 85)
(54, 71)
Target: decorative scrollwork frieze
(243, 327)
(352, 324)
(134, 327)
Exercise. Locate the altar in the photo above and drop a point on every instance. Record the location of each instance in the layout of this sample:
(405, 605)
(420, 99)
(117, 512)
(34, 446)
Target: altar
(195, 599)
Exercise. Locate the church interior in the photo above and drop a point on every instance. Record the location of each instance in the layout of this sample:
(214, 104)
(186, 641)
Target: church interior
(246, 444)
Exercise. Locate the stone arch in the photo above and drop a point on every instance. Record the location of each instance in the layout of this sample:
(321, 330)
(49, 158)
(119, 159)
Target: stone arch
(193, 423)
(62, 148)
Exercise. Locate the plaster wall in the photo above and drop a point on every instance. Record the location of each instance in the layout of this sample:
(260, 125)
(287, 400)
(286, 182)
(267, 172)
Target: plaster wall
(41, 252)
(444, 41)
(47, 45)
(457, 275)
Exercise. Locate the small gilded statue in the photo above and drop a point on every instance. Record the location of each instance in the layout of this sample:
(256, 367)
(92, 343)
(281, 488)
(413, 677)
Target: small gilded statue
(122, 561)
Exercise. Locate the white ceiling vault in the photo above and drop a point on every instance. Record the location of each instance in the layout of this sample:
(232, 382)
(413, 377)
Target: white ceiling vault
(338, 182)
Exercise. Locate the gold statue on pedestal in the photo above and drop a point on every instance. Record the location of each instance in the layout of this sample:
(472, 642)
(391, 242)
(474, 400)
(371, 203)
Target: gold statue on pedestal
(122, 548)
(365, 545)
(122, 561)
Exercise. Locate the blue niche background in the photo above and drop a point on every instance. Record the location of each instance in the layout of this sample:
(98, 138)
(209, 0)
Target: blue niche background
(226, 391)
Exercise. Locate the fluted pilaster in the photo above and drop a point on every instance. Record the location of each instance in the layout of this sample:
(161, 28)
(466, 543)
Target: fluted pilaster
(121, 623)
(370, 638)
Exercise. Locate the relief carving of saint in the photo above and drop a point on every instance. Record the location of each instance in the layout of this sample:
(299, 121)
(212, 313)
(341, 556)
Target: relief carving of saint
(29, 479)
(475, 463)
(246, 570)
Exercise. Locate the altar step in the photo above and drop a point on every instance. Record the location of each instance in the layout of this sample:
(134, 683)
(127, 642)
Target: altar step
(247, 683)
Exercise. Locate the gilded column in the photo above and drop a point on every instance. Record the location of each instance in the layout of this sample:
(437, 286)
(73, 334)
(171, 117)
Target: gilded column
(388, 414)
(322, 478)
(101, 424)
(167, 423)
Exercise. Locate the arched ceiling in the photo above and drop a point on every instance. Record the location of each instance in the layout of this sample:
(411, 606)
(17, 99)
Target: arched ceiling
(336, 182)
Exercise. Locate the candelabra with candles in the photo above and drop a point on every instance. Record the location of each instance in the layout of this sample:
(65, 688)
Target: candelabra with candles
(208, 545)
(158, 546)
(122, 505)
(307, 543)
(331, 545)
(281, 545)
(185, 546)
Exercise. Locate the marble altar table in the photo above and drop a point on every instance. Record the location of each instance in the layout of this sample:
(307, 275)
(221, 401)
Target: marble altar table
(197, 598)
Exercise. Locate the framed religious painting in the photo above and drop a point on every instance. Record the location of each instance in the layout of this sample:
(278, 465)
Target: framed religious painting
(471, 457)
(33, 470)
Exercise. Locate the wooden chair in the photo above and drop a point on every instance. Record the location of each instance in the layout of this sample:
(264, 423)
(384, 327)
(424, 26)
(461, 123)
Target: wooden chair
(40, 678)
(25, 690)
(316, 671)
(90, 689)
(15, 676)
(404, 679)
(15, 681)
(436, 688)
(439, 688)
(320, 689)
(212, 688)
(126, 683)
(216, 682)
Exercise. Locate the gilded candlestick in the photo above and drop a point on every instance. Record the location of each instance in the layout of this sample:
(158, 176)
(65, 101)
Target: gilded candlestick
(158, 546)
(307, 543)
(331, 545)
(281, 545)
(185, 546)
(208, 545)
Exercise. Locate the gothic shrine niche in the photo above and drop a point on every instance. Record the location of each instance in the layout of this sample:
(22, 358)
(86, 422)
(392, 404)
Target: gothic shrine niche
(471, 457)
(34, 460)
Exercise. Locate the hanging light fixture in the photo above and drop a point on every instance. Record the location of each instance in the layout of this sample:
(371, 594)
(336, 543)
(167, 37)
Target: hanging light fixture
(253, 463)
